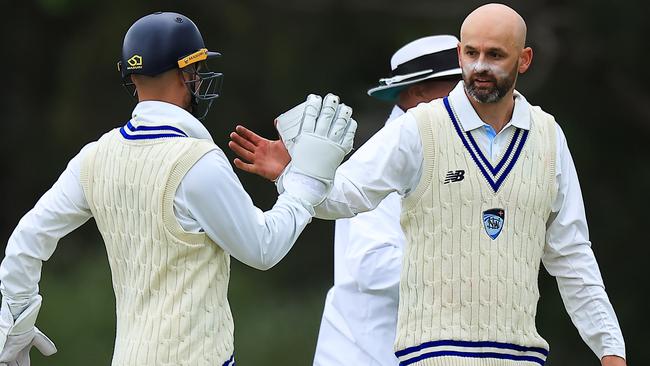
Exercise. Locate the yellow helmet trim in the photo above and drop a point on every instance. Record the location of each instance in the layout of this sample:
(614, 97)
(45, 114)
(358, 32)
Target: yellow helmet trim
(197, 56)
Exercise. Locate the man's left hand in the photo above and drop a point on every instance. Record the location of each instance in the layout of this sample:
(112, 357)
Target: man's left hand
(613, 361)
(18, 336)
(16, 349)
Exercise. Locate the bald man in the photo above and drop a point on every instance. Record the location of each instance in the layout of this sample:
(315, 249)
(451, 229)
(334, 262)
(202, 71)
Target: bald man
(489, 192)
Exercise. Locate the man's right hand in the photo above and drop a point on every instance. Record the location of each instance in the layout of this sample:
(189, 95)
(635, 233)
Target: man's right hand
(257, 155)
(317, 133)
(613, 361)
(318, 148)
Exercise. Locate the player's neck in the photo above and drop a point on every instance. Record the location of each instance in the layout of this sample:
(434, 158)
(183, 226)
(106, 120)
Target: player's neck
(166, 87)
(164, 95)
(496, 114)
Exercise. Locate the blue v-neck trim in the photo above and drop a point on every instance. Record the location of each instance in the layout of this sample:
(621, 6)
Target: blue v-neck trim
(491, 174)
(485, 161)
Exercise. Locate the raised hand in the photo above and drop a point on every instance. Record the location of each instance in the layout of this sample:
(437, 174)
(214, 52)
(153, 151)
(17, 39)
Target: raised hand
(613, 361)
(318, 143)
(317, 133)
(257, 155)
(301, 118)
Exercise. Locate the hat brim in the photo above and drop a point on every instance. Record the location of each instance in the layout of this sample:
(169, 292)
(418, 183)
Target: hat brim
(390, 92)
(213, 54)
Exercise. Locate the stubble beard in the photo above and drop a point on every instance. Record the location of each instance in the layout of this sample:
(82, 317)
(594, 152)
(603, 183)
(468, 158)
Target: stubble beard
(501, 83)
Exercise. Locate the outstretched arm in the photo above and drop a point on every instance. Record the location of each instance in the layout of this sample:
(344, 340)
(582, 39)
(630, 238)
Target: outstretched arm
(258, 155)
(568, 256)
(216, 200)
(390, 161)
(226, 212)
(306, 121)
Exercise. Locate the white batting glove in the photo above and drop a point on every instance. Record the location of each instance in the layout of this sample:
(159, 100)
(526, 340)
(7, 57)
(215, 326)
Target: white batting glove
(18, 336)
(291, 122)
(318, 149)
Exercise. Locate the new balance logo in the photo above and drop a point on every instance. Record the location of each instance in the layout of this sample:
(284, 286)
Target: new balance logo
(454, 176)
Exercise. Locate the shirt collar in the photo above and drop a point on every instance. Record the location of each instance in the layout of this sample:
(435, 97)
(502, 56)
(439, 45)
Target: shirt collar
(469, 119)
(155, 113)
(396, 112)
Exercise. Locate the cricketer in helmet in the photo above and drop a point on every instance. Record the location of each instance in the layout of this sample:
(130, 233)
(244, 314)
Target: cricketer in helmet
(168, 46)
(170, 209)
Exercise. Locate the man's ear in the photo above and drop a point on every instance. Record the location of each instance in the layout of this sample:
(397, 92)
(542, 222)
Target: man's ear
(181, 76)
(525, 59)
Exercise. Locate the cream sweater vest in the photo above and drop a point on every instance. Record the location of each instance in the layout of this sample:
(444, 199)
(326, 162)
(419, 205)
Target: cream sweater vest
(467, 299)
(170, 285)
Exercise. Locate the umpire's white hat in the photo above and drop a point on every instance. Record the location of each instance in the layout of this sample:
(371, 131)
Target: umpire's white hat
(425, 58)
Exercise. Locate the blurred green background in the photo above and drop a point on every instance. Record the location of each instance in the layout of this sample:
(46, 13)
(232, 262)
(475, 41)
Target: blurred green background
(61, 90)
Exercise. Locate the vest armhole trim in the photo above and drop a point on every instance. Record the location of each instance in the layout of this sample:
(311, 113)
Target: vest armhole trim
(86, 172)
(424, 115)
(194, 152)
(539, 116)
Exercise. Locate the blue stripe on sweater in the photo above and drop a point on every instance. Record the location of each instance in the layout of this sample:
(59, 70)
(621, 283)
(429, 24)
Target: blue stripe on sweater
(469, 353)
(501, 356)
(489, 177)
(230, 362)
(164, 132)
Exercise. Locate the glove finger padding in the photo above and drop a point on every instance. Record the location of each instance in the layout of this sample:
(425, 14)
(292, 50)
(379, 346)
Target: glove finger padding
(291, 123)
(43, 343)
(317, 152)
(318, 157)
(348, 137)
(327, 114)
(340, 124)
(312, 109)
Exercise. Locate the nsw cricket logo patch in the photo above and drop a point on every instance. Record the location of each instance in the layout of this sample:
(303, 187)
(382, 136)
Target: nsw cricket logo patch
(493, 220)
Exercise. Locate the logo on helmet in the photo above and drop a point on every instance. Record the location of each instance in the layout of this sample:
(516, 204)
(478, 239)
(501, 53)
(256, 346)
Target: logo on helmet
(197, 56)
(134, 62)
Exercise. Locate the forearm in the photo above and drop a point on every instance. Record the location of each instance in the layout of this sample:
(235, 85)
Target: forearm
(32, 242)
(264, 240)
(213, 197)
(348, 198)
(583, 293)
(333, 209)
(391, 161)
(20, 270)
(592, 313)
(60, 210)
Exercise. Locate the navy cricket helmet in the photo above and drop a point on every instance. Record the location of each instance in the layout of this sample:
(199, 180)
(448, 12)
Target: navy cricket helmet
(163, 41)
